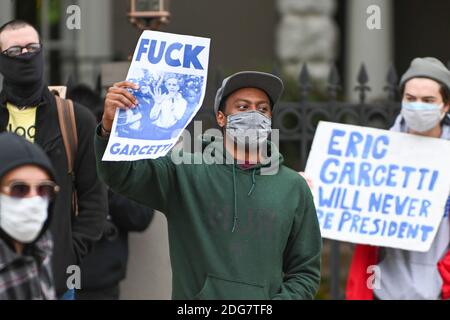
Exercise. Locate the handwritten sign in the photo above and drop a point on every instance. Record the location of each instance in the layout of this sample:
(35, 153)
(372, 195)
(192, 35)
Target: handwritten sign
(379, 187)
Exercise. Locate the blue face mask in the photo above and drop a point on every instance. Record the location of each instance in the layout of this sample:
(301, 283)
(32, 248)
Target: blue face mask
(421, 116)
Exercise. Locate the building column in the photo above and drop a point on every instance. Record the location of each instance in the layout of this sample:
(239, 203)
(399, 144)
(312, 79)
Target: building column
(6, 14)
(149, 272)
(373, 47)
(307, 33)
(6, 11)
(94, 40)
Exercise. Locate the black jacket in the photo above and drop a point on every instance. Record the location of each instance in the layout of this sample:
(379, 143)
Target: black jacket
(73, 236)
(106, 265)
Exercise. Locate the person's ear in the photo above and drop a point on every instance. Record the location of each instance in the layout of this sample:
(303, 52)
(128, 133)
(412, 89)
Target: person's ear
(221, 119)
(446, 107)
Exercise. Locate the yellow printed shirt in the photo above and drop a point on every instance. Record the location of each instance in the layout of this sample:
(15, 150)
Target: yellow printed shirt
(22, 122)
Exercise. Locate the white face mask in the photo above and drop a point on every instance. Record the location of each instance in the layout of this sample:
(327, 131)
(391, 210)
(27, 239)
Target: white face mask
(22, 219)
(420, 116)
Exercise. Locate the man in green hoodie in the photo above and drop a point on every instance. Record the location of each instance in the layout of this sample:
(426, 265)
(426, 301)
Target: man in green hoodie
(241, 225)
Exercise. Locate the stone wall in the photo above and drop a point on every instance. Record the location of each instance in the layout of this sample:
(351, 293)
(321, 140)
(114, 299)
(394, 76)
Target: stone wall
(308, 33)
(6, 14)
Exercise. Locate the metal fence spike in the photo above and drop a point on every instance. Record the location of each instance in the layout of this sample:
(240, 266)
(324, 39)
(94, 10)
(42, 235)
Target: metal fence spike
(392, 83)
(334, 83)
(363, 79)
(304, 81)
(333, 77)
(304, 78)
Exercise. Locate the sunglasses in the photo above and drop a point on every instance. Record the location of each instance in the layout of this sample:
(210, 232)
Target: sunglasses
(17, 50)
(21, 189)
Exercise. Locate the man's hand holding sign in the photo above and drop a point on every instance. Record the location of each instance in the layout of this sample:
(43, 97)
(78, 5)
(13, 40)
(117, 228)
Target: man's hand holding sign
(117, 97)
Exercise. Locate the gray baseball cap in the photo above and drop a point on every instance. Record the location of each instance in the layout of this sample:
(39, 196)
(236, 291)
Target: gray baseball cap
(270, 84)
(427, 67)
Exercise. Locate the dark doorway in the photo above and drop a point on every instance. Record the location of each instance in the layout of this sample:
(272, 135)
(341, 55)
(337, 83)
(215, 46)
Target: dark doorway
(30, 11)
(422, 28)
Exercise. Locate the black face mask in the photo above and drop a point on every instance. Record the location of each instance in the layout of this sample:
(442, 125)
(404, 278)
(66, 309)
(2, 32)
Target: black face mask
(23, 83)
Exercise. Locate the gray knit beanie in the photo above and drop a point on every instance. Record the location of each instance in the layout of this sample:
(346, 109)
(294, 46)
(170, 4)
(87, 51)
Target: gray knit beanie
(428, 67)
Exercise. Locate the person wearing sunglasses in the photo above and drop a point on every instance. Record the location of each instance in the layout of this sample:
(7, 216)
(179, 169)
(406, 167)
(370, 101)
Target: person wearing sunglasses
(29, 109)
(27, 192)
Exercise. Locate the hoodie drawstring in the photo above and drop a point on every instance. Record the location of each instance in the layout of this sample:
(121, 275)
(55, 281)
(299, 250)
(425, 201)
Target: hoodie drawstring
(253, 183)
(235, 213)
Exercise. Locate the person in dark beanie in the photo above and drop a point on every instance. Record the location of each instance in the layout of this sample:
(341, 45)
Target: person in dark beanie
(27, 191)
(403, 274)
(29, 109)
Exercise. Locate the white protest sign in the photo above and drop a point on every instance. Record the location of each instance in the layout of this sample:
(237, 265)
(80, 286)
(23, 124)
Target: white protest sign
(171, 71)
(379, 187)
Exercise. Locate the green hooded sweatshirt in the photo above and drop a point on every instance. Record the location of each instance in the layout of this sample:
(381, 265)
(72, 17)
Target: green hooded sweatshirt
(234, 233)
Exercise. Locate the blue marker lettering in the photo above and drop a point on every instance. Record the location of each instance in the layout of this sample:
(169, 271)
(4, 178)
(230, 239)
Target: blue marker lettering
(334, 134)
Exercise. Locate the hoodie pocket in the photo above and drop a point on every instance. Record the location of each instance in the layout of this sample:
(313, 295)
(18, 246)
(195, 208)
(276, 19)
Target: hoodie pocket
(219, 288)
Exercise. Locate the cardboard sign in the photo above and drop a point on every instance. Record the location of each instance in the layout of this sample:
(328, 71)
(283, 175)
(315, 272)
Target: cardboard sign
(379, 187)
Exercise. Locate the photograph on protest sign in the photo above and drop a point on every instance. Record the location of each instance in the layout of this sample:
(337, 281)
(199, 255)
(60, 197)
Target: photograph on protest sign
(171, 71)
(378, 187)
(167, 102)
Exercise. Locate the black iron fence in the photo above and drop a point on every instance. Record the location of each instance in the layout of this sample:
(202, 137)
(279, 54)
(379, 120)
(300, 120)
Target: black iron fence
(297, 121)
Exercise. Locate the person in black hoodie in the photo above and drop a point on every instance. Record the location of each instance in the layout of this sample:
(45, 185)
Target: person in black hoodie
(105, 267)
(27, 189)
(28, 108)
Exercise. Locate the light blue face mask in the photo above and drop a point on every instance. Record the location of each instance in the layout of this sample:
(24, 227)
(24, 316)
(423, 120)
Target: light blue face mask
(421, 116)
